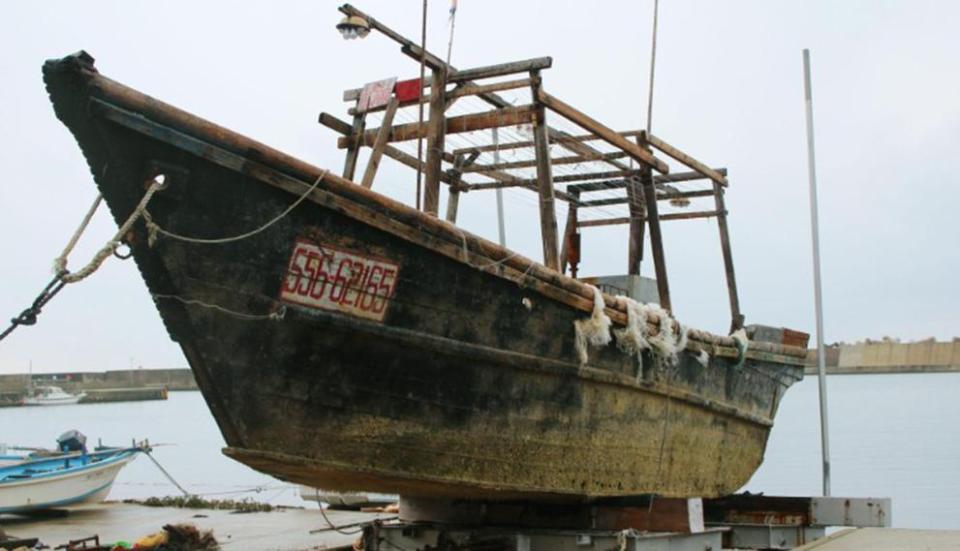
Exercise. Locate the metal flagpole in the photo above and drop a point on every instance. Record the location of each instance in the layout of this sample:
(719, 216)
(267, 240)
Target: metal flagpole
(496, 160)
(818, 297)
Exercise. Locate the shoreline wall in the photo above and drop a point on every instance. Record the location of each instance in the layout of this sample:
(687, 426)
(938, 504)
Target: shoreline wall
(928, 356)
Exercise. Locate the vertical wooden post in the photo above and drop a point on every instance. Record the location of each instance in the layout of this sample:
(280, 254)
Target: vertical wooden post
(636, 203)
(656, 238)
(568, 235)
(380, 144)
(350, 162)
(453, 200)
(735, 316)
(435, 134)
(548, 214)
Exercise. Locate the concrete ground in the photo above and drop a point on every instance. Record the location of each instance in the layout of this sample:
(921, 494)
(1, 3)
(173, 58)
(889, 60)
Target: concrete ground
(286, 529)
(887, 539)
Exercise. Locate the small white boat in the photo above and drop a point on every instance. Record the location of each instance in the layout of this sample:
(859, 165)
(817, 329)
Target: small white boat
(51, 396)
(61, 482)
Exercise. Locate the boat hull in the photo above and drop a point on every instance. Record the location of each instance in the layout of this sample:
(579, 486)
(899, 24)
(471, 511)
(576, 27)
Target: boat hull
(453, 377)
(61, 491)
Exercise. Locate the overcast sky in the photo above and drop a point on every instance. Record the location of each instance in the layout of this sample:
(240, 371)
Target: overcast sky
(728, 90)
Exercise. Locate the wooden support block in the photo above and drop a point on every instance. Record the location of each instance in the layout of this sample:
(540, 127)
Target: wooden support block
(436, 132)
(645, 513)
(377, 153)
(606, 134)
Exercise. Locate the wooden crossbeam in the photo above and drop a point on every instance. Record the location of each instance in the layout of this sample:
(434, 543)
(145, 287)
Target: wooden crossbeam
(663, 217)
(606, 134)
(524, 144)
(342, 127)
(682, 157)
(685, 176)
(465, 123)
(477, 89)
(501, 69)
(571, 160)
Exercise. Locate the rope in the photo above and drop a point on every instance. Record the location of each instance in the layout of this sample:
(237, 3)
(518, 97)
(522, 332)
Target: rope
(154, 229)
(278, 315)
(29, 315)
(110, 247)
(166, 474)
(60, 263)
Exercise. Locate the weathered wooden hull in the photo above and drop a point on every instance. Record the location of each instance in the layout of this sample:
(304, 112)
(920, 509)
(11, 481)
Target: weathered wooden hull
(465, 382)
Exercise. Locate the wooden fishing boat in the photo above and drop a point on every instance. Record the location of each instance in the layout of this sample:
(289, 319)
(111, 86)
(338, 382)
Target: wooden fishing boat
(61, 482)
(346, 341)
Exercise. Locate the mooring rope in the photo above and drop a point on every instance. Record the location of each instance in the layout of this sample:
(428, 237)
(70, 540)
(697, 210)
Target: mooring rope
(154, 229)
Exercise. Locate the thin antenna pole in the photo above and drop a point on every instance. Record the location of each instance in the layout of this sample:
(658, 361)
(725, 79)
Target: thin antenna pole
(653, 63)
(423, 63)
(501, 232)
(818, 297)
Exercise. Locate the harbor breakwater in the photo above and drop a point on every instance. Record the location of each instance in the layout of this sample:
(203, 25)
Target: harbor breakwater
(889, 356)
(104, 386)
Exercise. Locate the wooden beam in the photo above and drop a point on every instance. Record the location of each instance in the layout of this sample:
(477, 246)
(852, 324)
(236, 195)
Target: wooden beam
(353, 152)
(501, 69)
(453, 196)
(604, 222)
(656, 237)
(605, 202)
(572, 160)
(342, 127)
(689, 215)
(736, 317)
(436, 132)
(529, 143)
(548, 213)
(606, 134)
(569, 233)
(463, 89)
(675, 153)
(377, 152)
(465, 123)
(637, 222)
(685, 176)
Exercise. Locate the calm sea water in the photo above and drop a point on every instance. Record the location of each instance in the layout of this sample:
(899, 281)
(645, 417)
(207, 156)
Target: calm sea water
(891, 436)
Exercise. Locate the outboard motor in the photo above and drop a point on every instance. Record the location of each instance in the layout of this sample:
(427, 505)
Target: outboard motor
(72, 441)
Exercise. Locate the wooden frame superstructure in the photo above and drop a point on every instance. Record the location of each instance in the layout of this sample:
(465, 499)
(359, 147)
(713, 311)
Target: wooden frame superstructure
(644, 178)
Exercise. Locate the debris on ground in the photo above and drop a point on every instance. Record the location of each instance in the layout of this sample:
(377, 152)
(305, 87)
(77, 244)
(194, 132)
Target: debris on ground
(196, 502)
(178, 537)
